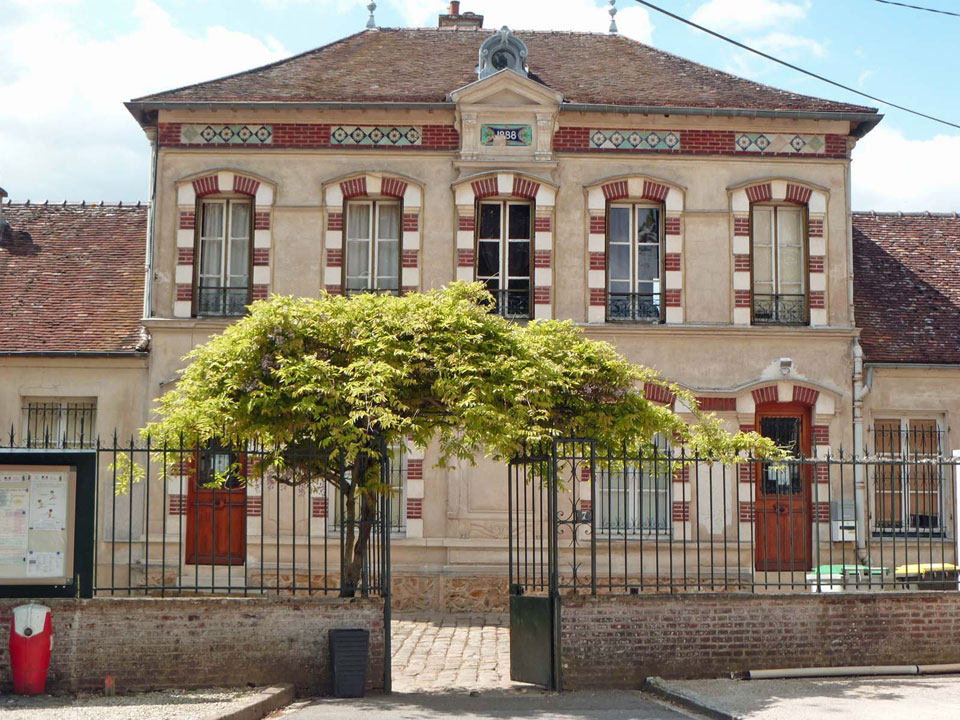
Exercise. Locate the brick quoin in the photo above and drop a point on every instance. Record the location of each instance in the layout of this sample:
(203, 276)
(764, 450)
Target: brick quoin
(411, 222)
(673, 298)
(542, 259)
(525, 188)
(335, 221)
(188, 220)
(672, 261)
(805, 395)
(598, 224)
(815, 227)
(245, 185)
(177, 505)
(318, 507)
(254, 506)
(465, 258)
(615, 191)
(260, 292)
(334, 257)
(745, 473)
(333, 290)
(411, 258)
(822, 473)
(598, 261)
(741, 226)
(681, 511)
(487, 187)
(747, 512)
(414, 509)
(747, 428)
(414, 469)
(741, 263)
(541, 296)
(391, 187)
(759, 193)
(818, 300)
(816, 263)
(822, 511)
(768, 394)
(598, 297)
(185, 292)
(671, 226)
(821, 434)
(261, 256)
(543, 223)
(586, 504)
(742, 298)
(654, 191)
(261, 221)
(585, 473)
(357, 187)
(466, 223)
(184, 256)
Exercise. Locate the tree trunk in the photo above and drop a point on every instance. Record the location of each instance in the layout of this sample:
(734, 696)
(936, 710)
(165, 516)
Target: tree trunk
(356, 537)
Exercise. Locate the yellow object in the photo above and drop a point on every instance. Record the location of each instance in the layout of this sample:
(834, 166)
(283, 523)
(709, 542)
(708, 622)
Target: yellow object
(922, 569)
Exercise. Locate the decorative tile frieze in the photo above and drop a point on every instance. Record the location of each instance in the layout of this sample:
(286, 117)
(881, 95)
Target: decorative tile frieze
(376, 135)
(634, 140)
(226, 134)
(780, 143)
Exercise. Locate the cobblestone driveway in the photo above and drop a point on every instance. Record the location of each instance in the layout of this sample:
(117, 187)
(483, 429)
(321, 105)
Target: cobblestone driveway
(434, 652)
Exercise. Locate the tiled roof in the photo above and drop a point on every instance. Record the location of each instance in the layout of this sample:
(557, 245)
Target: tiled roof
(425, 64)
(71, 277)
(907, 286)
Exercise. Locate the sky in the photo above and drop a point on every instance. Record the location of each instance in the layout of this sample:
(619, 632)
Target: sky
(67, 66)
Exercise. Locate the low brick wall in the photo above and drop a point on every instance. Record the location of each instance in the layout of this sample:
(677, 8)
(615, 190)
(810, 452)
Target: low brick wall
(618, 641)
(148, 643)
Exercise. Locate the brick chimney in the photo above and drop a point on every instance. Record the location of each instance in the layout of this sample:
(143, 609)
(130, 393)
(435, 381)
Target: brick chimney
(467, 21)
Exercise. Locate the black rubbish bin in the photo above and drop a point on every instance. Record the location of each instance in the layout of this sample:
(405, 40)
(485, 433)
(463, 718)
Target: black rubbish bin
(349, 652)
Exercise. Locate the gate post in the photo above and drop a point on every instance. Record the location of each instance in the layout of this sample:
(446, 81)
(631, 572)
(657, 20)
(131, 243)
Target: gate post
(553, 554)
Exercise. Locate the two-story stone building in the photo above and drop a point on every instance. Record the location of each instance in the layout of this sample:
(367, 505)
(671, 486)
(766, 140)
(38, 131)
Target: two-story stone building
(698, 221)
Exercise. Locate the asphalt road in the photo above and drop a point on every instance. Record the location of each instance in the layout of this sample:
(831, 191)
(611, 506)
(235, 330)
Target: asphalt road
(535, 705)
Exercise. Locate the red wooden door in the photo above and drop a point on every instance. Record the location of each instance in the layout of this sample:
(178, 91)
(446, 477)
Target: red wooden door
(783, 537)
(216, 517)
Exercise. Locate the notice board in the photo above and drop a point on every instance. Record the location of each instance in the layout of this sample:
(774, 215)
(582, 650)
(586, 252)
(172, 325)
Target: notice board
(37, 518)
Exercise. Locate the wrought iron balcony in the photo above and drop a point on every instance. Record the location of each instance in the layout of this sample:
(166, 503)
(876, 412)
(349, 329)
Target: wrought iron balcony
(634, 307)
(222, 301)
(512, 304)
(779, 309)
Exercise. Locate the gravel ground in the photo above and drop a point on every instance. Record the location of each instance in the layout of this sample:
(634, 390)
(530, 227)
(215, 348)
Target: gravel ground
(169, 705)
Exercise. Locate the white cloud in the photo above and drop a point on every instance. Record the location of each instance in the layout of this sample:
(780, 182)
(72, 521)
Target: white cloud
(748, 15)
(62, 115)
(892, 172)
(786, 46)
(583, 15)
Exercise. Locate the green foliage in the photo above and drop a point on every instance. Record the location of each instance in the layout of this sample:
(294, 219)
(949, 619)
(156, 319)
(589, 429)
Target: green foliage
(339, 374)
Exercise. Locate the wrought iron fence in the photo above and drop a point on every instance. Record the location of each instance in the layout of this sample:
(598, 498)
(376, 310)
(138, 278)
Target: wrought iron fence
(224, 520)
(50, 424)
(633, 307)
(582, 520)
(227, 301)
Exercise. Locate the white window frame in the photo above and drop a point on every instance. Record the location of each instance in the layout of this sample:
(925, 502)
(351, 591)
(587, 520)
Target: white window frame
(64, 407)
(503, 276)
(776, 266)
(633, 242)
(373, 255)
(906, 479)
(224, 278)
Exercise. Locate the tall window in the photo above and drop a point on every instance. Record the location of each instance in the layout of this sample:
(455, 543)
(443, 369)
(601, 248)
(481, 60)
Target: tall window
(372, 261)
(779, 265)
(504, 259)
(634, 498)
(61, 423)
(907, 480)
(223, 276)
(634, 263)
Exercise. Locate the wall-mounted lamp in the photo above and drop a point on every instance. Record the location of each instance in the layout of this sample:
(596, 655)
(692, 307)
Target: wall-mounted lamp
(786, 365)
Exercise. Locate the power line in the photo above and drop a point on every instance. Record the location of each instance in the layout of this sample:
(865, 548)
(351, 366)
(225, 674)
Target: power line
(917, 7)
(795, 67)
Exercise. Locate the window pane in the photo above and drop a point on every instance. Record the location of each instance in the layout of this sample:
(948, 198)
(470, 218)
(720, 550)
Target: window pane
(211, 255)
(618, 260)
(648, 225)
(619, 230)
(212, 223)
(790, 249)
(239, 219)
(519, 217)
(488, 259)
(388, 222)
(519, 259)
(490, 221)
(239, 262)
(648, 263)
(763, 250)
(358, 221)
(388, 264)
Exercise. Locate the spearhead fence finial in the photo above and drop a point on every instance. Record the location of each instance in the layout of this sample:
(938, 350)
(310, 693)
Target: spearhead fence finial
(613, 17)
(371, 23)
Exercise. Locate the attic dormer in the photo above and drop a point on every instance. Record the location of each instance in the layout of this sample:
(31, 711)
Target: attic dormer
(503, 51)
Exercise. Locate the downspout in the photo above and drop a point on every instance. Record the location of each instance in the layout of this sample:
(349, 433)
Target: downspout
(859, 388)
(154, 138)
